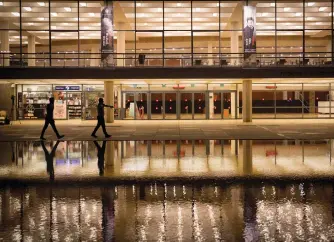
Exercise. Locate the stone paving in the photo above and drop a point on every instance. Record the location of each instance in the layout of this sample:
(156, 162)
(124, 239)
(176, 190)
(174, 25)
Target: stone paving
(176, 130)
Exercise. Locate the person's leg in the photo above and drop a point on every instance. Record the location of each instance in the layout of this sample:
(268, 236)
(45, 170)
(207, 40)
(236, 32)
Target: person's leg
(46, 124)
(103, 124)
(53, 125)
(97, 126)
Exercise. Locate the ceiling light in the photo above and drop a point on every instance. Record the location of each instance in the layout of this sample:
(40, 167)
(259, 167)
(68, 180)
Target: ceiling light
(1, 3)
(30, 24)
(310, 4)
(178, 4)
(309, 18)
(215, 14)
(217, 4)
(42, 4)
(159, 9)
(145, 24)
(83, 4)
(15, 13)
(41, 19)
(68, 9)
(197, 9)
(138, 4)
(92, 14)
(321, 9)
(65, 23)
(299, 14)
(286, 9)
(264, 14)
(27, 9)
(53, 37)
(318, 23)
(272, 5)
(53, 27)
(54, 14)
(330, 14)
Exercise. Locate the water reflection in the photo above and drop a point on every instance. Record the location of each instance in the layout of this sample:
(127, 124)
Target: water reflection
(156, 159)
(168, 212)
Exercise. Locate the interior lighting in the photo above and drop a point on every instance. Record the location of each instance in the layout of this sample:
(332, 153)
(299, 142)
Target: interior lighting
(83, 4)
(1, 3)
(264, 14)
(178, 4)
(54, 14)
(92, 14)
(321, 9)
(16, 14)
(159, 9)
(299, 14)
(286, 9)
(30, 24)
(215, 14)
(217, 4)
(41, 19)
(272, 5)
(68, 9)
(310, 4)
(42, 4)
(145, 24)
(197, 9)
(27, 9)
(138, 4)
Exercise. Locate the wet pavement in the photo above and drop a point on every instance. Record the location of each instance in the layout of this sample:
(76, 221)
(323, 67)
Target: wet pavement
(176, 130)
(168, 212)
(173, 160)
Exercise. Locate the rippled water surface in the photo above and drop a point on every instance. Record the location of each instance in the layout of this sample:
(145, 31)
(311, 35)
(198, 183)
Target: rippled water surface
(168, 212)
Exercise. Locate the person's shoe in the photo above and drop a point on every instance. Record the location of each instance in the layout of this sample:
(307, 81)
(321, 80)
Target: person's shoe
(42, 138)
(61, 136)
(93, 135)
(107, 135)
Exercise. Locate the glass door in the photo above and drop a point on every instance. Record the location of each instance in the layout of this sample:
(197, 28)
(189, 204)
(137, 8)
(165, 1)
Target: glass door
(199, 106)
(141, 105)
(157, 110)
(186, 103)
(129, 105)
(216, 105)
(170, 106)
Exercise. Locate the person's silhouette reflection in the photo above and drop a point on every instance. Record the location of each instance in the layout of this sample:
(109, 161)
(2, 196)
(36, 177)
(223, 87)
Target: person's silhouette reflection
(49, 159)
(100, 156)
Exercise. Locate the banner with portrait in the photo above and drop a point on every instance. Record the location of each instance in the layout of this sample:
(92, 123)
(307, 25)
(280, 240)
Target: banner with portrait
(249, 31)
(107, 34)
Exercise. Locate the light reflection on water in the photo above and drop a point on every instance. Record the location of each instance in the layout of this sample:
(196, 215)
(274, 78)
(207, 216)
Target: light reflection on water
(155, 159)
(235, 212)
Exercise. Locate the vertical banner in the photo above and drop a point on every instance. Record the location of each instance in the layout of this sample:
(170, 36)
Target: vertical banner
(249, 32)
(107, 34)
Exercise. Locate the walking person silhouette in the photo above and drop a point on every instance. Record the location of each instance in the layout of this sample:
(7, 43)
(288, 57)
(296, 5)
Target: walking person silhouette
(49, 159)
(49, 120)
(100, 119)
(100, 156)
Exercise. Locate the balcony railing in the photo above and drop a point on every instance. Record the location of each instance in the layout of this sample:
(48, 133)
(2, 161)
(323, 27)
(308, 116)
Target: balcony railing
(177, 60)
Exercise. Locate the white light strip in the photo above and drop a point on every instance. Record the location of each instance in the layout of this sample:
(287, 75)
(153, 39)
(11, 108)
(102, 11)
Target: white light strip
(42, 4)
(27, 9)
(54, 14)
(1, 3)
(83, 4)
(68, 9)
(16, 14)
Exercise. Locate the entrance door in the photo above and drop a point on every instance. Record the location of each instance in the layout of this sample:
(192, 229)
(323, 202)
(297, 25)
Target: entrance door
(223, 105)
(141, 105)
(199, 105)
(170, 105)
(186, 104)
(129, 105)
(157, 106)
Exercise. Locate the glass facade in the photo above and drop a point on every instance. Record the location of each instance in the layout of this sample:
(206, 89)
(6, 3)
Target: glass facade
(165, 33)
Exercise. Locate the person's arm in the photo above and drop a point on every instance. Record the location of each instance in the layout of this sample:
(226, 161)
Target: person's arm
(109, 106)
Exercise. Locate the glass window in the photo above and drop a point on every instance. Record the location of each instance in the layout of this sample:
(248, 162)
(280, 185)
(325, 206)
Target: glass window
(205, 15)
(149, 15)
(177, 15)
(37, 88)
(318, 14)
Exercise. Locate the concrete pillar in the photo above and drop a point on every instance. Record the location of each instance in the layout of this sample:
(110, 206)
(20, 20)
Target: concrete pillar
(234, 147)
(4, 49)
(233, 104)
(212, 147)
(109, 100)
(285, 95)
(247, 155)
(312, 101)
(94, 57)
(247, 100)
(31, 50)
(234, 44)
(210, 56)
(238, 99)
(121, 45)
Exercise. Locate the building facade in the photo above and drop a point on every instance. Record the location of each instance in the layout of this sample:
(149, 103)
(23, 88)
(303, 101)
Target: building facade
(168, 59)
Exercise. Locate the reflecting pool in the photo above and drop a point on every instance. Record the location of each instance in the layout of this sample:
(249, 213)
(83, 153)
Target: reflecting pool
(168, 212)
(167, 159)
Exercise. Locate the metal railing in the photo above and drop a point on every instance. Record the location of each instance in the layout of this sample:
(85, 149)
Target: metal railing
(179, 60)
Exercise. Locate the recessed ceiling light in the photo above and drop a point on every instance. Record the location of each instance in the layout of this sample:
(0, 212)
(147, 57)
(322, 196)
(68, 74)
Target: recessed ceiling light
(42, 4)
(83, 4)
(92, 14)
(138, 4)
(215, 14)
(65, 23)
(318, 23)
(264, 14)
(217, 4)
(27, 9)
(286, 9)
(159, 9)
(16, 13)
(53, 37)
(76, 19)
(310, 4)
(41, 19)
(321, 9)
(178, 4)
(145, 24)
(197, 9)
(68, 9)
(53, 27)
(1, 3)
(309, 18)
(299, 14)
(272, 5)
(54, 14)
(30, 24)
(330, 14)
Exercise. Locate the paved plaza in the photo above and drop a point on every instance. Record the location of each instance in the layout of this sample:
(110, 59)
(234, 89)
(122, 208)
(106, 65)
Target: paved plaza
(176, 130)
